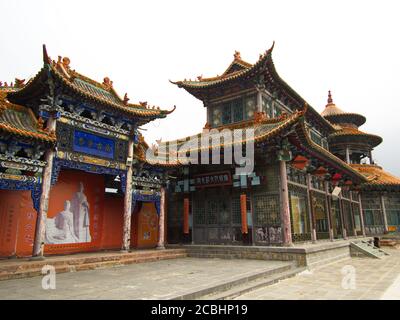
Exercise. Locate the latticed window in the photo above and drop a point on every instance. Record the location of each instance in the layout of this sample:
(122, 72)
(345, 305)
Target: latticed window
(237, 110)
(224, 211)
(347, 216)
(199, 211)
(357, 218)
(299, 214)
(236, 213)
(175, 212)
(336, 220)
(372, 210)
(250, 107)
(216, 115)
(226, 113)
(212, 211)
(266, 210)
(392, 206)
(318, 203)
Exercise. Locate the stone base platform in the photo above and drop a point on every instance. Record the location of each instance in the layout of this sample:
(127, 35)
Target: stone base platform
(24, 267)
(305, 255)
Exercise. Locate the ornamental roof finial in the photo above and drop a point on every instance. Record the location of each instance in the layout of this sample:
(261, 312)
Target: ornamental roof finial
(46, 58)
(330, 100)
(126, 99)
(236, 55)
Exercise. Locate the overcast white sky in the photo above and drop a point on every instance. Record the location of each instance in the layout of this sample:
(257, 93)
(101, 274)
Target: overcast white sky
(349, 47)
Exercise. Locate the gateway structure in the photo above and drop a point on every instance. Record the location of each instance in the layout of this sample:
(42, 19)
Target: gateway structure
(308, 181)
(73, 176)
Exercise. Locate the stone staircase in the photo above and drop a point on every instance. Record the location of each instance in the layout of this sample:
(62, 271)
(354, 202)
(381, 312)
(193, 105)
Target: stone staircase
(232, 288)
(367, 249)
(260, 282)
(23, 268)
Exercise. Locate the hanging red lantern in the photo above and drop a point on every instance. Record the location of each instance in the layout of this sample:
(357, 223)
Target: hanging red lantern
(300, 162)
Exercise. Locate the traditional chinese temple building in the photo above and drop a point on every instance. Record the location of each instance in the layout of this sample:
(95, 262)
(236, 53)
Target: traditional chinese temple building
(76, 174)
(72, 166)
(380, 195)
(307, 183)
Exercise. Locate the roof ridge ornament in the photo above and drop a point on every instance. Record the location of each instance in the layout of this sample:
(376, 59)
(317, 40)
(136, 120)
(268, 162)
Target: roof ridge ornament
(126, 99)
(237, 56)
(46, 58)
(330, 100)
(107, 83)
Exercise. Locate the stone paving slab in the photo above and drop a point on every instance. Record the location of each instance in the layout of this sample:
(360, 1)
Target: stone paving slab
(154, 280)
(374, 279)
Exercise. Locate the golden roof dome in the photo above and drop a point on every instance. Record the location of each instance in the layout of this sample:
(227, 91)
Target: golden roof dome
(331, 108)
(335, 115)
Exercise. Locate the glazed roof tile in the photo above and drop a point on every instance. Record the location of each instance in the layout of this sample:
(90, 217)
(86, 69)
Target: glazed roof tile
(376, 175)
(242, 68)
(21, 121)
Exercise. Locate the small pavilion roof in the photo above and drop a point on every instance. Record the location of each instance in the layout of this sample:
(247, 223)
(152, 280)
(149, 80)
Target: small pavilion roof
(336, 115)
(20, 121)
(354, 135)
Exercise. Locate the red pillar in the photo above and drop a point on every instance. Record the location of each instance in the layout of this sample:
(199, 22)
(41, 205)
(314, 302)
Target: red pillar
(126, 232)
(243, 212)
(186, 215)
(161, 224)
(285, 211)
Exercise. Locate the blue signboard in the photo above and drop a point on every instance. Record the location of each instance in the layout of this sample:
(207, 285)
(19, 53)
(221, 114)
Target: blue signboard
(94, 145)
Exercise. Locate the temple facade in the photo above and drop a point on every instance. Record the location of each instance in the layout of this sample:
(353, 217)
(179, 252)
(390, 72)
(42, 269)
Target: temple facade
(73, 174)
(309, 183)
(76, 174)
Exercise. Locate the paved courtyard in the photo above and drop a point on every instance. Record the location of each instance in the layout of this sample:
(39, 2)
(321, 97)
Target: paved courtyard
(374, 279)
(163, 279)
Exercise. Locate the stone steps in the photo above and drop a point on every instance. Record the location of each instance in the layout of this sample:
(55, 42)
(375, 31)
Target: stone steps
(247, 282)
(25, 268)
(367, 249)
(254, 285)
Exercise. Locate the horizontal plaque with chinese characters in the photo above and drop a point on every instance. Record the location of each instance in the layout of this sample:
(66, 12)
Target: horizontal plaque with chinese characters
(213, 179)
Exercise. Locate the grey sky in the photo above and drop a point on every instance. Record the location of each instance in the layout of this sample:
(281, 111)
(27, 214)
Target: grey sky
(349, 47)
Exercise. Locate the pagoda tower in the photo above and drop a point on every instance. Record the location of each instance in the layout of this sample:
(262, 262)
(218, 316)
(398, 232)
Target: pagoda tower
(348, 142)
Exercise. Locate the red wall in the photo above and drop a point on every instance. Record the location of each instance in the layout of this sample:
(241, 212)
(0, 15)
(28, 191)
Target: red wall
(113, 215)
(17, 223)
(106, 211)
(18, 218)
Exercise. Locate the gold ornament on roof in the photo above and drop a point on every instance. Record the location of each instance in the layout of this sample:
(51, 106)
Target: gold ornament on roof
(236, 55)
(126, 99)
(143, 104)
(19, 83)
(107, 82)
(66, 61)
